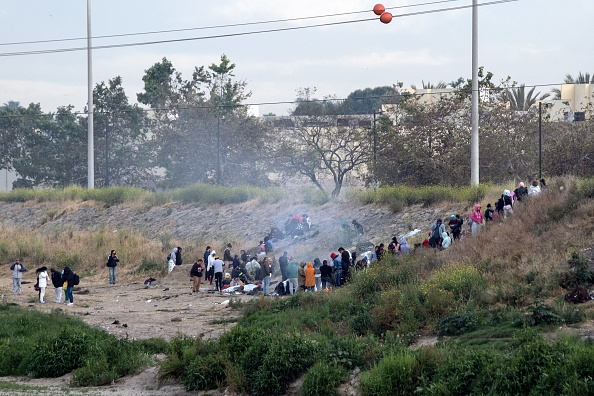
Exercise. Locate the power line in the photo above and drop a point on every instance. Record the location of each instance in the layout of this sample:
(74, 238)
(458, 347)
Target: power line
(221, 26)
(59, 50)
(286, 102)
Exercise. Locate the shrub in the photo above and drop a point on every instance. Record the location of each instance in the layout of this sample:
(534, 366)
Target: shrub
(204, 372)
(59, 355)
(322, 379)
(458, 324)
(462, 280)
(393, 375)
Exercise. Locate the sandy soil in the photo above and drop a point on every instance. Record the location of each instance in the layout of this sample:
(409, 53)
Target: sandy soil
(164, 309)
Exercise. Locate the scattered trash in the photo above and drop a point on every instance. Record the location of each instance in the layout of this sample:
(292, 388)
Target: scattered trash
(148, 301)
(166, 289)
(116, 322)
(124, 325)
(176, 319)
(225, 302)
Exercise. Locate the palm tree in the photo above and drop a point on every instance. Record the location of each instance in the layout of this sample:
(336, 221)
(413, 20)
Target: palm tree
(581, 79)
(440, 85)
(519, 100)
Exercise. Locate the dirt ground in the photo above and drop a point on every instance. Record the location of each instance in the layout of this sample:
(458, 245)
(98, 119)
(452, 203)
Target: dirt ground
(164, 309)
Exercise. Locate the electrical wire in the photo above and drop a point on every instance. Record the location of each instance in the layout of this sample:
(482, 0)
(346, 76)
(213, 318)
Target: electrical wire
(59, 50)
(222, 26)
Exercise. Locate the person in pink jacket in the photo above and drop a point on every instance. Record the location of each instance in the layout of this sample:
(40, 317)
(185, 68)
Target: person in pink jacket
(477, 219)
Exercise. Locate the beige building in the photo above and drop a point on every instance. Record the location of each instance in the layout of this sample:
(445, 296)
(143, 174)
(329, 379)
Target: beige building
(575, 104)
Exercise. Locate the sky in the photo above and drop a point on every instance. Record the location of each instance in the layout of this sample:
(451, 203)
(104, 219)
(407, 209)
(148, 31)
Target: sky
(535, 42)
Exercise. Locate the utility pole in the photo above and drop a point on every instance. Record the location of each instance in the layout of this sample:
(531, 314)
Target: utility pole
(539, 140)
(474, 134)
(90, 150)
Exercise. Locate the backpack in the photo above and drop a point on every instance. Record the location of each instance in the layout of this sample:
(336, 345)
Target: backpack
(76, 280)
(280, 289)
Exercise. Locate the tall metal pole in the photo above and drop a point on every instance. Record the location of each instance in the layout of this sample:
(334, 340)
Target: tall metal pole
(474, 134)
(374, 149)
(90, 144)
(107, 150)
(218, 150)
(539, 140)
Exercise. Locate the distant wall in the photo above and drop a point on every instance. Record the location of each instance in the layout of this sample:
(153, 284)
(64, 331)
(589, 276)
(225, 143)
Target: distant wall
(6, 179)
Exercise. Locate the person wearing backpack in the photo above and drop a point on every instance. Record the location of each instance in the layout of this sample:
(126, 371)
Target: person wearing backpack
(394, 246)
(112, 264)
(196, 274)
(68, 278)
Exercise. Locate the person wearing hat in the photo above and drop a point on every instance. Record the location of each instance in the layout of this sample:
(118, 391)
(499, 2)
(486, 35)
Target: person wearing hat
(218, 265)
(17, 276)
(436, 230)
(112, 264)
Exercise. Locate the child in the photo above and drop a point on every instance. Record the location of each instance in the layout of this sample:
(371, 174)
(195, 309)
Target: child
(42, 280)
(489, 213)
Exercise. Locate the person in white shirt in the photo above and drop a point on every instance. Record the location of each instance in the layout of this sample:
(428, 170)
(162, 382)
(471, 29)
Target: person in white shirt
(42, 280)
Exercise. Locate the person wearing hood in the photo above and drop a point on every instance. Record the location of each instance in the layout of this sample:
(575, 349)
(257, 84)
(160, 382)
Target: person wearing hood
(436, 230)
(112, 264)
(508, 204)
(477, 219)
(337, 268)
(293, 275)
(326, 275)
(68, 278)
(210, 267)
(42, 281)
(310, 277)
(534, 189)
(317, 264)
(404, 247)
(446, 241)
(301, 277)
(253, 268)
(283, 263)
(57, 282)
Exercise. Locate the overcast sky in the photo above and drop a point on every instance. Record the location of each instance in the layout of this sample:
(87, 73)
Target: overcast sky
(535, 42)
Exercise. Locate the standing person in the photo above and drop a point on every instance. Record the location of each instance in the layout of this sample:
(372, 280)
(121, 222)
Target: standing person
(337, 261)
(489, 213)
(436, 230)
(42, 281)
(453, 224)
(508, 204)
(310, 277)
(112, 264)
(326, 274)
(196, 274)
(68, 278)
(317, 264)
(227, 257)
(17, 276)
(266, 272)
(178, 256)
(292, 275)
(210, 266)
(380, 251)
(283, 263)
(206, 254)
(301, 275)
(477, 219)
(218, 265)
(57, 282)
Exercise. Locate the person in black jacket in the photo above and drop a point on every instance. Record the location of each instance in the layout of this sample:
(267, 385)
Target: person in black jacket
(283, 262)
(112, 264)
(57, 282)
(178, 257)
(326, 274)
(68, 276)
(196, 274)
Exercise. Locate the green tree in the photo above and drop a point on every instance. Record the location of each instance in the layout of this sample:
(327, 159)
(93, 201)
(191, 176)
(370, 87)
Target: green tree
(520, 100)
(122, 154)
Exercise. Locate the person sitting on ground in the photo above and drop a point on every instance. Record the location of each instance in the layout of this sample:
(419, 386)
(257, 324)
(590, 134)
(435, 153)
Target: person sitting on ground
(261, 247)
(436, 230)
(244, 256)
(534, 189)
(373, 255)
(235, 282)
(489, 213)
(380, 251)
(426, 241)
(477, 219)
(446, 241)
(404, 247)
(543, 185)
(310, 277)
(358, 226)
